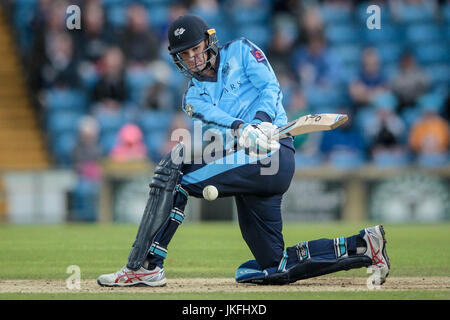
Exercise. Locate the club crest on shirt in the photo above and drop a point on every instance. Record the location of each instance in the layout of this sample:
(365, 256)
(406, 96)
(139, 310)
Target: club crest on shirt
(189, 110)
(259, 56)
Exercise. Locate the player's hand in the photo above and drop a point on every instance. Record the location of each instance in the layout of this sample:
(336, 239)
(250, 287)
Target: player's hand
(259, 138)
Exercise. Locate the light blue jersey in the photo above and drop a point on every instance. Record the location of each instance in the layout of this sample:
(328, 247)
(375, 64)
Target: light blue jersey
(244, 89)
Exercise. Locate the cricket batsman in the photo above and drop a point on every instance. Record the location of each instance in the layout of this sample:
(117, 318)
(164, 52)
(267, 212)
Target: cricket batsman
(233, 87)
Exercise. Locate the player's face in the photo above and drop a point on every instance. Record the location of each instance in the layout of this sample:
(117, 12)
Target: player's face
(195, 58)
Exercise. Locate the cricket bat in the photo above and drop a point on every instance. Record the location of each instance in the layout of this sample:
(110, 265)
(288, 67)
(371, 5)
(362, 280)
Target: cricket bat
(311, 123)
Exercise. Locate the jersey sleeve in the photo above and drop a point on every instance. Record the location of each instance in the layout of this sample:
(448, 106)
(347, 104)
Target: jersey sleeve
(262, 76)
(199, 108)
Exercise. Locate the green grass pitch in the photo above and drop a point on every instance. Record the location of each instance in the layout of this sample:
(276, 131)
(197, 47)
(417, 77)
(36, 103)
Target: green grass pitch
(207, 250)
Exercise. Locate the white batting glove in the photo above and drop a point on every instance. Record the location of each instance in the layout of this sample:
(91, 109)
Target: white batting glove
(259, 138)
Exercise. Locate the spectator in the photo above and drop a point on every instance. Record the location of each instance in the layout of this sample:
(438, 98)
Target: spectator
(130, 145)
(176, 9)
(60, 67)
(313, 63)
(297, 107)
(86, 156)
(180, 122)
(48, 22)
(138, 41)
(111, 85)
(404, 11)
(430, 135)
(87, 152)
(386, 130)
(343, 147)
(370, 80)
(95, 39)
(159, 95)
(311, 22)
(206, 8)
(280, 51)
(410, 82)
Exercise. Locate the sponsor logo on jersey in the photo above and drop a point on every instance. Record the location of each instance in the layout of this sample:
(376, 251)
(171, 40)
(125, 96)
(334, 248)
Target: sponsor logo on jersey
(259, 56)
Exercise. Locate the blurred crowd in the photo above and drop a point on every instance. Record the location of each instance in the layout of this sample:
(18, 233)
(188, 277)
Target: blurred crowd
(111, 89)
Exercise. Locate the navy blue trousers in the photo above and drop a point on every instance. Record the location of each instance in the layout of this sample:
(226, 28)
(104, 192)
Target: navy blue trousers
(258, 189)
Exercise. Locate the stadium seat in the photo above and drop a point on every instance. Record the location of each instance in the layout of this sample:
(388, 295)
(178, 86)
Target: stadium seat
(349, 72)
(320, 99)
(154, 142)
(349, 54)
(346, 160)
(390, 159)
(137, 80)
(108, 140)
(158, 15)
(250, 15)
(84, 201)
(438, 73)
(155, 121)
(60, 122)
(225, 33)
(410, 115)
(109, 121)
(390, 69)
(364, 119)
(89, 78)
(389, 52)
(303, 160)
(66, 99)
(212, 17)
(415, 13)
(117, 14)
(333, 15)
(23, 14)
(258, 34)
(433, 160)
(108, 3)
(433, 53)
(342, 34)
(446, 12)
(423, 33)
(156, 2)
(388, 33)
(62, 146)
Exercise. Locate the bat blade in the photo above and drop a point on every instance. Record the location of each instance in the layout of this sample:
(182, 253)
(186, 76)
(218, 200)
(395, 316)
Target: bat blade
(312, 123)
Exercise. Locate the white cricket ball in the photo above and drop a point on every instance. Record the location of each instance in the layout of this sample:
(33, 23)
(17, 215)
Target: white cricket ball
(210, 193)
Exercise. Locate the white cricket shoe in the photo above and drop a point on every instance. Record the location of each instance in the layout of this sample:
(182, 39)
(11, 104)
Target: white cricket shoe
(376, 250)
(127, 278)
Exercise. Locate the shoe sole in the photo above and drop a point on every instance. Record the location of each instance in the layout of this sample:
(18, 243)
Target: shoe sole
(139, 284)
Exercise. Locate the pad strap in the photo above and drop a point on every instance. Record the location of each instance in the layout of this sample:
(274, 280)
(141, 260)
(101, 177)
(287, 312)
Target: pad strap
(156, 249)
(340, 247)
(177, 215)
